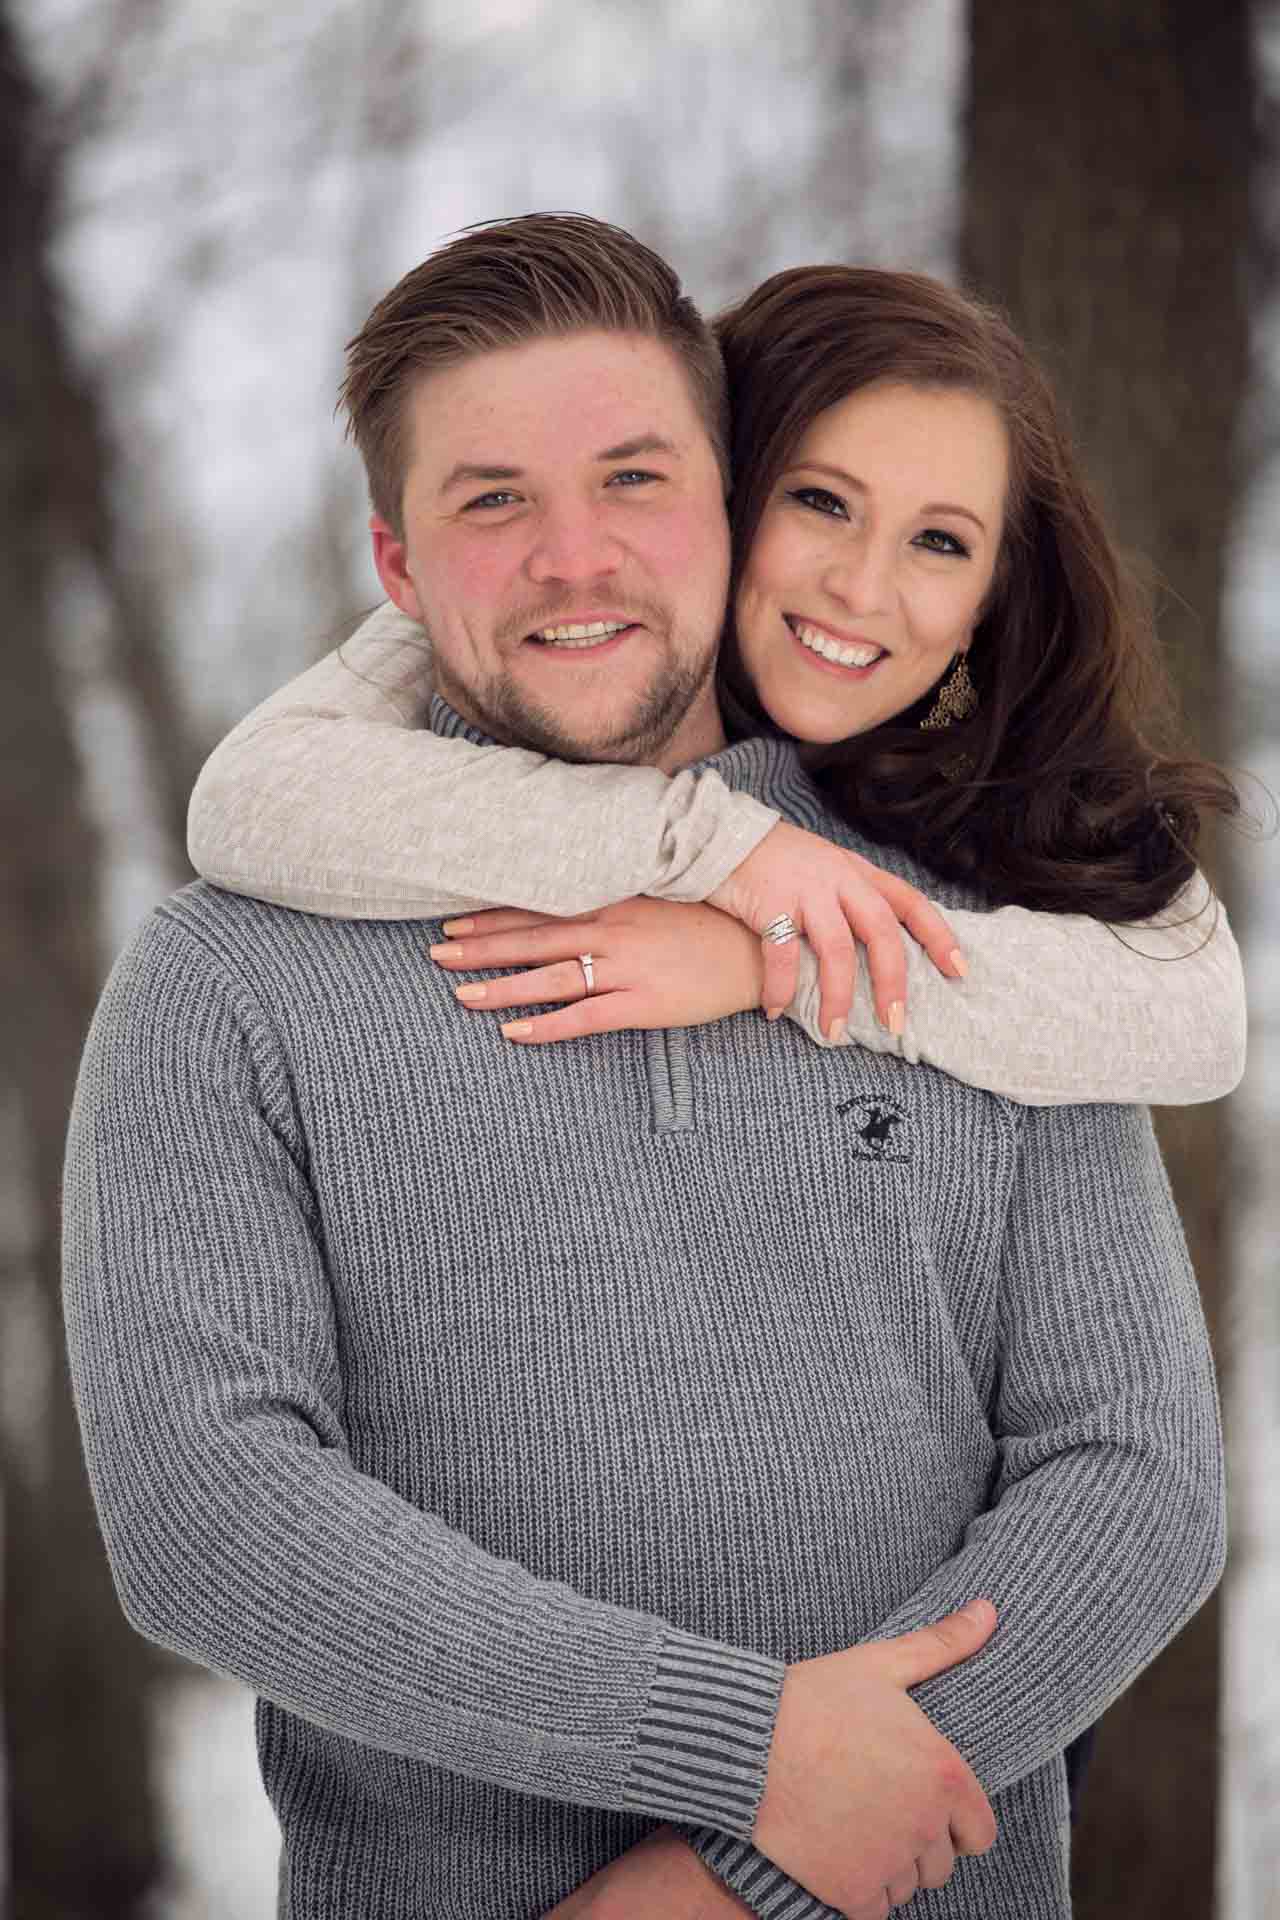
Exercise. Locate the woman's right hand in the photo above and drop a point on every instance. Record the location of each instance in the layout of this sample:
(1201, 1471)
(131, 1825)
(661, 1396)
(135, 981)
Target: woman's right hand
(834, 897)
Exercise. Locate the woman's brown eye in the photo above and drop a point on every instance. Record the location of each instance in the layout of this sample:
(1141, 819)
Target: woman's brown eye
(820, 501)
(935, 540)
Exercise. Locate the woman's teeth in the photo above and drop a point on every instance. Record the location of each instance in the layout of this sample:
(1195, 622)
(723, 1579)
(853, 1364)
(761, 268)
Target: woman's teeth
(818, 642)
(581, 636)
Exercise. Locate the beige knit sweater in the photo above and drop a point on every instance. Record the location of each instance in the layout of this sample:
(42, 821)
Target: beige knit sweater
(334, 797)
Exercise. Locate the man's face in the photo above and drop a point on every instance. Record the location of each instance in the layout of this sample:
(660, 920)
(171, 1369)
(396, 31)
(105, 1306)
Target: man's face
(567, 549)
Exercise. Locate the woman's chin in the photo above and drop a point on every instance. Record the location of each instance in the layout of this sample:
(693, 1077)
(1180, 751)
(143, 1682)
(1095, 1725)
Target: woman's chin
(814, 726)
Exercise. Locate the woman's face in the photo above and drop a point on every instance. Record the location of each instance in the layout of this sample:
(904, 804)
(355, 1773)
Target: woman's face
(873, 557)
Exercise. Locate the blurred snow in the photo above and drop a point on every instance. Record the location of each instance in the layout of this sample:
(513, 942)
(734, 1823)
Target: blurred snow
(224, 1839)
(264, 174)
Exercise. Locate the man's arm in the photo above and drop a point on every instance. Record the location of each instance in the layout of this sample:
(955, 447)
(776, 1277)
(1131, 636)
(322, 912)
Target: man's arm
(204, 1350)
(1107, 1525)
(205, 1359)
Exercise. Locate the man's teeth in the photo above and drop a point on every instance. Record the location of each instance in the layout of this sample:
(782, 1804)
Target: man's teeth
(581, 636)
(812, 637)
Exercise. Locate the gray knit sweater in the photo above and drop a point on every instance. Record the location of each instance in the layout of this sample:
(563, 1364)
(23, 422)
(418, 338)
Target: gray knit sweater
(506, 1418)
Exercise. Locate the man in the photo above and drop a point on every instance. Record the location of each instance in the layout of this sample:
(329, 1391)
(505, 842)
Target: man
(445, 1393)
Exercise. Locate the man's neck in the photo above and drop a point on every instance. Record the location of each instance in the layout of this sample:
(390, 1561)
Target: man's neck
(699, 734)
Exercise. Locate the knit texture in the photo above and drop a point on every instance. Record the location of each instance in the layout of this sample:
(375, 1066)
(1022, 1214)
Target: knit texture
(337, 796)
(506, 1418)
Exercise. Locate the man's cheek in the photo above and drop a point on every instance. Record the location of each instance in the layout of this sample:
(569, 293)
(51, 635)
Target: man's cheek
(697, 549)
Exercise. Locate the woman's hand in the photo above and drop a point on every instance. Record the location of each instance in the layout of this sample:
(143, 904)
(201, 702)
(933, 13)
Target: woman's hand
(832, 896)
(657, 963)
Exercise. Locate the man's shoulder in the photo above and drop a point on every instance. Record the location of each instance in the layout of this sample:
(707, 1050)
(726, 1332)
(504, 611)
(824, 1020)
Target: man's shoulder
(808, 807)
(204, 943)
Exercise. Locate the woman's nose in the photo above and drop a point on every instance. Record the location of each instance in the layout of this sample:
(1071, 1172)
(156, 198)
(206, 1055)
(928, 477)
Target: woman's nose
(862, 577)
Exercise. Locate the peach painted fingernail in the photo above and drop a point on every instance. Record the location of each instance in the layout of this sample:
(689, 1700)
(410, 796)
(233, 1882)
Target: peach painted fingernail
(515, 1028)
(836, 1034)
(473, 991)
(448, 950)
(897, 1019)
(773, 1013)
(958, 962)
(457, 926)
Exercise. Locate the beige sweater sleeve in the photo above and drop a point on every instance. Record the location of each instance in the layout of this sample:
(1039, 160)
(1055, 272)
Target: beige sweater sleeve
(1058, 1009)
(334, 798)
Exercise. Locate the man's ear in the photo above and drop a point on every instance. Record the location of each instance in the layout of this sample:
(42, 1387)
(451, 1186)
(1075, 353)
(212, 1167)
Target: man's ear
(391, 558)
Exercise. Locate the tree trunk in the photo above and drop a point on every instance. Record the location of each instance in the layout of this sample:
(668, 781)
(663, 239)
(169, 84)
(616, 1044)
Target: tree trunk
(1107, 206)
(81, 1819)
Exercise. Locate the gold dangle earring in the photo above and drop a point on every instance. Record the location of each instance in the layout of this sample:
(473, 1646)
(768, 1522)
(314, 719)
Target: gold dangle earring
(957, 696)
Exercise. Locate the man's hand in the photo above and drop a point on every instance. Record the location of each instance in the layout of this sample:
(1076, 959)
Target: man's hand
(864, 1801)
(833, 895)
(661, 1878)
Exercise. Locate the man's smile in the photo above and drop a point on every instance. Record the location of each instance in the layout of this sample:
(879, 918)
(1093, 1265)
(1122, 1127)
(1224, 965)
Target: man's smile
(578, 636)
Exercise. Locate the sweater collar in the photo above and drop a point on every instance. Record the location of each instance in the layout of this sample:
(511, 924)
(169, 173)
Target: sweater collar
(765, 765)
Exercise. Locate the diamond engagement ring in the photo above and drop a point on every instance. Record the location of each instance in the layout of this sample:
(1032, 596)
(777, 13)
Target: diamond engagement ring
(780, 930)
(584, 961)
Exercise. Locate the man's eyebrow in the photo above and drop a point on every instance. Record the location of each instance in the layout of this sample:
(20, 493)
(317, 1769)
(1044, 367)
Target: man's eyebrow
(642, 443)
(860, 486)
(466, 470)
(470, 470)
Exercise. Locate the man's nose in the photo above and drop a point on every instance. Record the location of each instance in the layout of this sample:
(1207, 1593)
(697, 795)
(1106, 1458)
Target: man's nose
(862, 577)
(572, 542)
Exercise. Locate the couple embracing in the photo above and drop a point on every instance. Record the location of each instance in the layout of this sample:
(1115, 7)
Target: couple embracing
(649, 1459)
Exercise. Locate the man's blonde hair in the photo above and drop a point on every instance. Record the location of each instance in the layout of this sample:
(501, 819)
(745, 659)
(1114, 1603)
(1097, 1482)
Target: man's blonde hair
(499, 285)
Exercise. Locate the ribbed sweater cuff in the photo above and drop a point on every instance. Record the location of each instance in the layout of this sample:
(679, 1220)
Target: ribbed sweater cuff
(702, 1746)
(766, 1889)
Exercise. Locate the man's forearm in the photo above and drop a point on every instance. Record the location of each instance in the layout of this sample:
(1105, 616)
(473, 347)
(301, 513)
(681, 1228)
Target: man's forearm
(660, 1875)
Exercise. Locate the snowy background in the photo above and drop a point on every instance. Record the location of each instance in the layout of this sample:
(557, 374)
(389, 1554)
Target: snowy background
(264, 175)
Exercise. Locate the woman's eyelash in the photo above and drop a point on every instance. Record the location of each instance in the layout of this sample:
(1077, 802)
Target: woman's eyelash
(954, 544)
(810, 496)
(821, 500)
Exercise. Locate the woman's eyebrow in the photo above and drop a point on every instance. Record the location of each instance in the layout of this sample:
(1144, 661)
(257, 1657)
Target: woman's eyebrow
(860, 486)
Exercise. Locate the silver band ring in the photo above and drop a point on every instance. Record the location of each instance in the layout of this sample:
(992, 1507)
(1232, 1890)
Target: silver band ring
(584, 961)
(780, 930)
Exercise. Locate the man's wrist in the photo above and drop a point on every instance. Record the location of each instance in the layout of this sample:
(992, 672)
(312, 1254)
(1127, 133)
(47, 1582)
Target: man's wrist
(701, 1750)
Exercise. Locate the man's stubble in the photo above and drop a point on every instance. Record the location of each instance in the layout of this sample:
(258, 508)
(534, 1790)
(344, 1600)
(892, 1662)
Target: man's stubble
(505, 710)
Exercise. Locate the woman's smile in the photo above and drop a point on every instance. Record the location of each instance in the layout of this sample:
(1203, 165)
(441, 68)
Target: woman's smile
(873, 558)
(834, 651)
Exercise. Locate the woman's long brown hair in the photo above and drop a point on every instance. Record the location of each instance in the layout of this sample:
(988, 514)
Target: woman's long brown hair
(1070, 788)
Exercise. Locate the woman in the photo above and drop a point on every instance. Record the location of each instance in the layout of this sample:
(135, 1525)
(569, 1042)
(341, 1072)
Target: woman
(924, 596)
(1009, 737)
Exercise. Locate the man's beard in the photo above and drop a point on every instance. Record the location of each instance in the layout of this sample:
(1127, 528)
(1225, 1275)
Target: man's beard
(505, 710)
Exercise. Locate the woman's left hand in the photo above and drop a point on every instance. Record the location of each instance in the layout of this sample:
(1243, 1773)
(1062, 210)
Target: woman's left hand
(657, 963)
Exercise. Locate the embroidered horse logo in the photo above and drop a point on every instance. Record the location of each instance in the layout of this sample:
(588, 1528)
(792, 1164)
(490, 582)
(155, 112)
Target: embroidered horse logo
(881, 1127)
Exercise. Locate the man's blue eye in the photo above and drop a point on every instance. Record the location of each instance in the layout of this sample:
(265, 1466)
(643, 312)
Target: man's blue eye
(820, 501)
(934, 540)
(500, 498)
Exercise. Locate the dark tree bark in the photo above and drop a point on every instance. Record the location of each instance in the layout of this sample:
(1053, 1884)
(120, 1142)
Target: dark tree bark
(1108, 208)
(81, 1819)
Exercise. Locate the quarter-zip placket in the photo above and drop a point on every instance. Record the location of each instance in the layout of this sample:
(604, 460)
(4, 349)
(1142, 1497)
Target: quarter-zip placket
(670, 1080)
